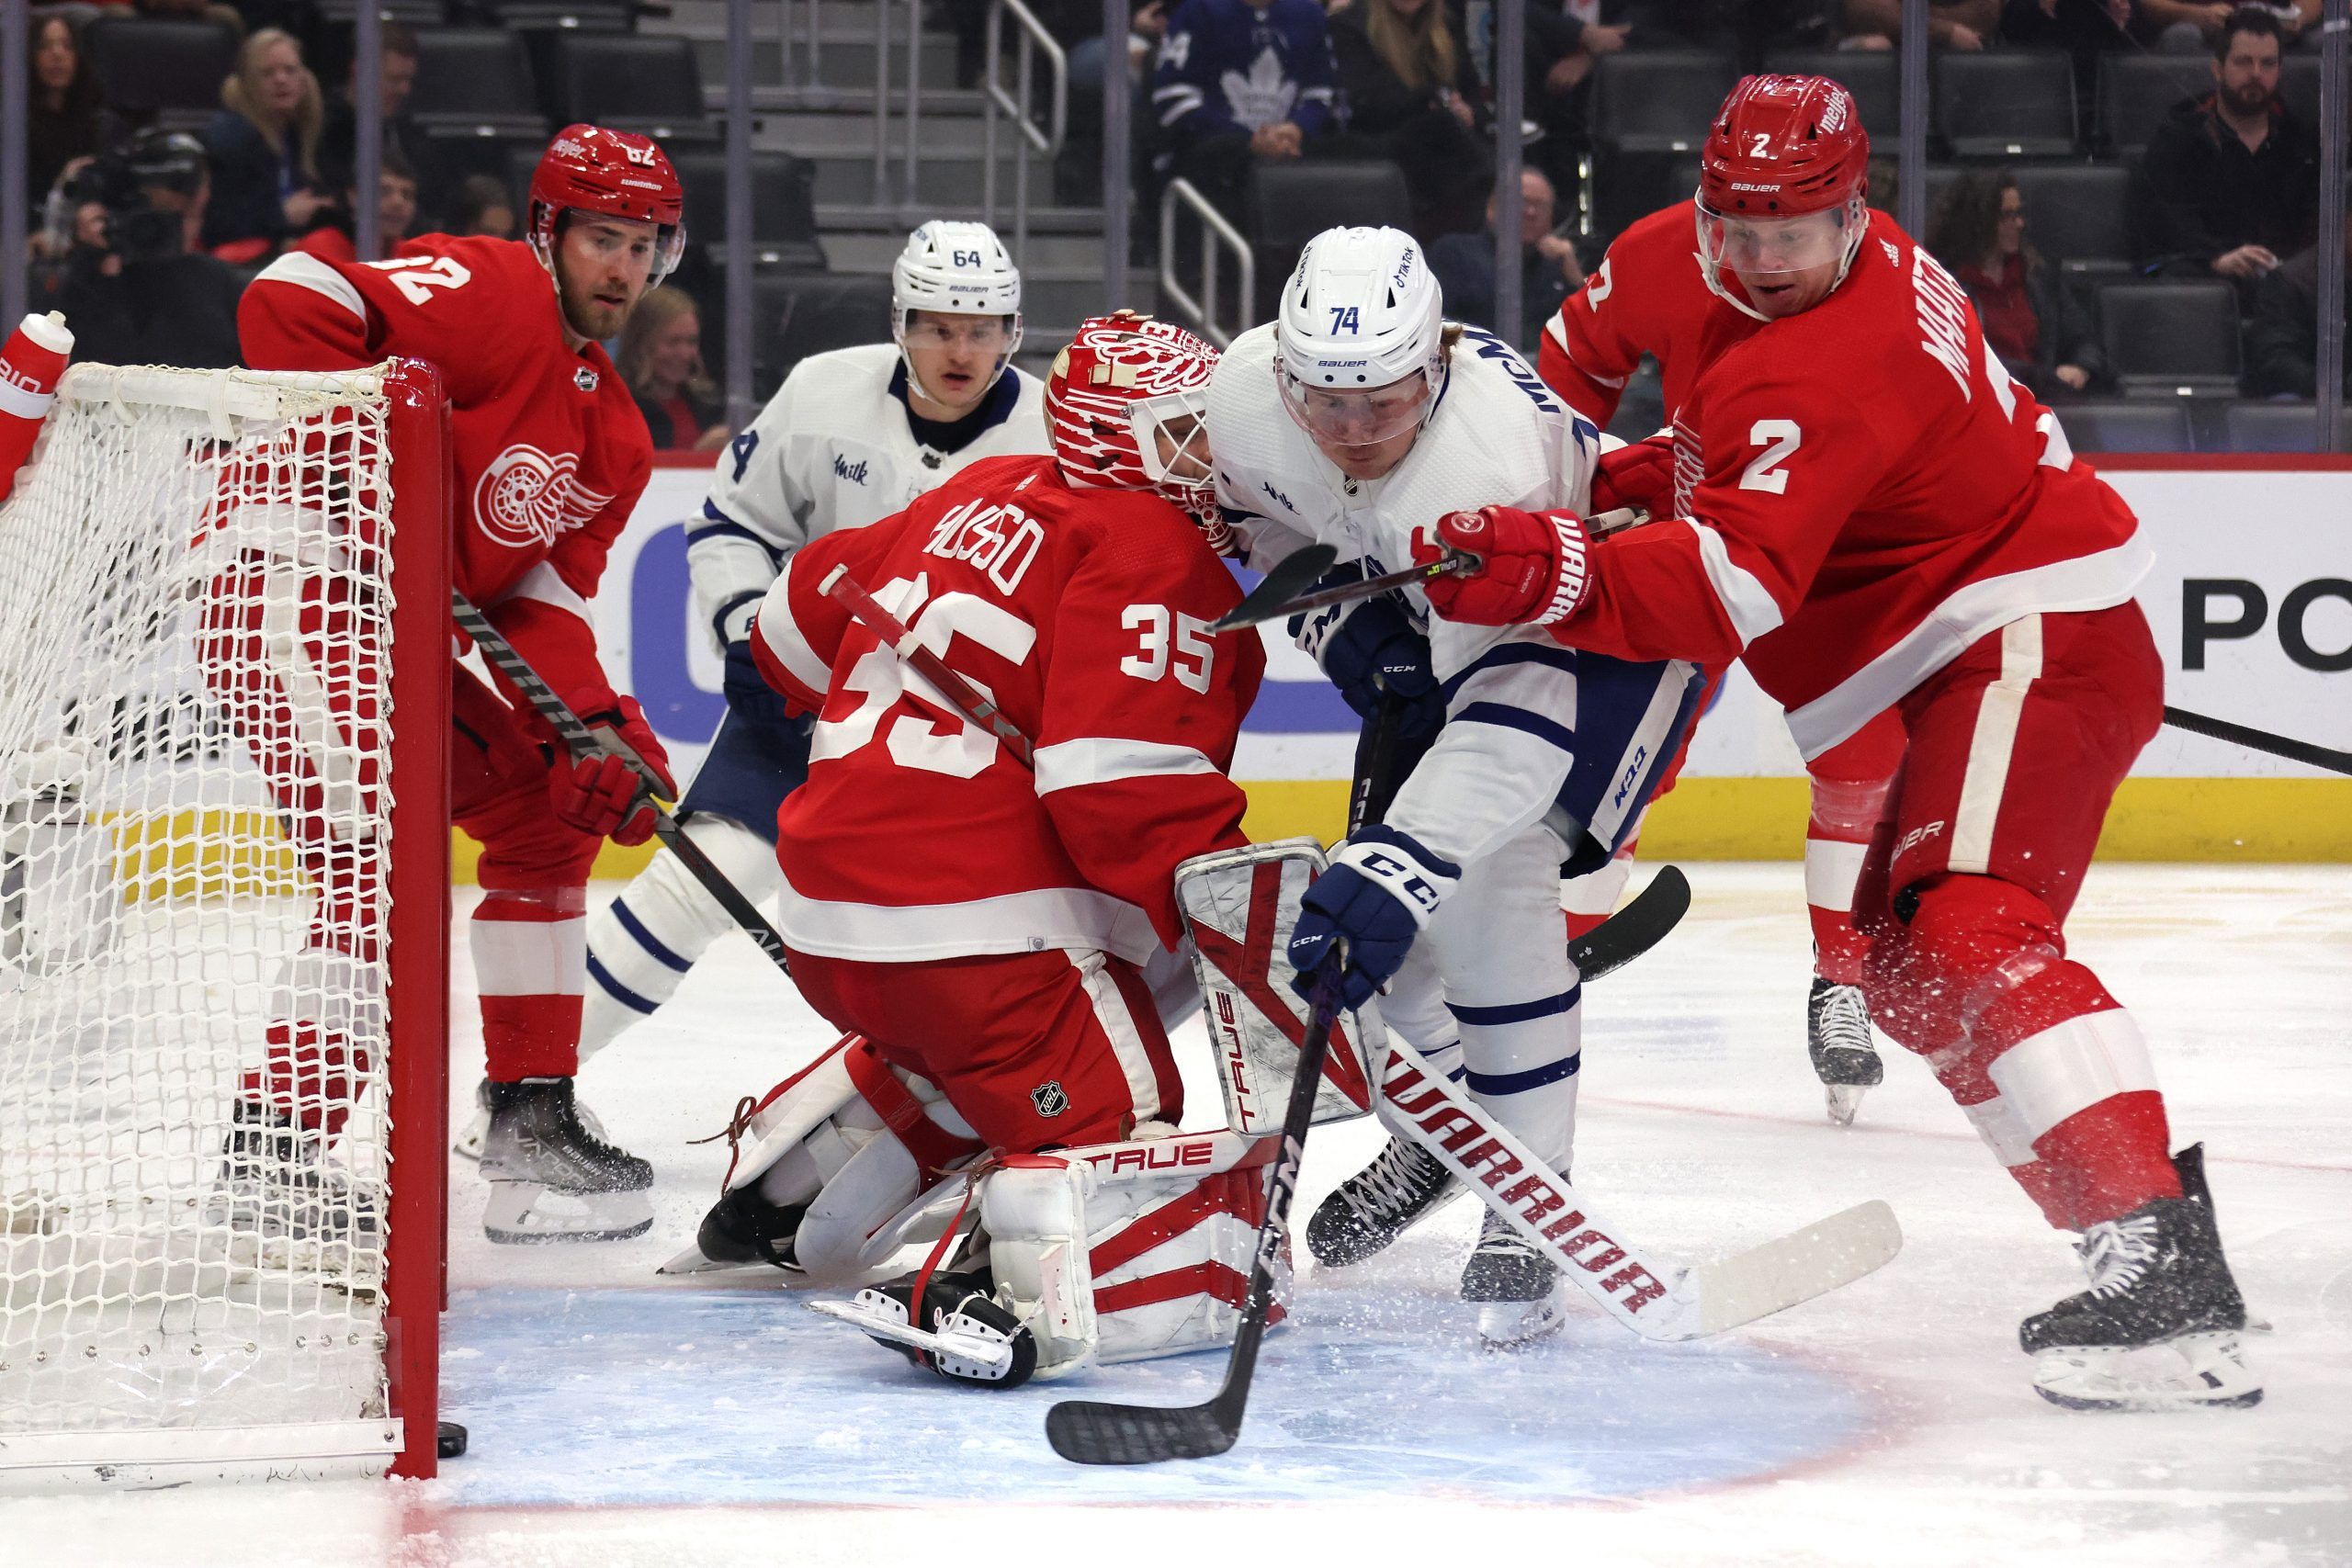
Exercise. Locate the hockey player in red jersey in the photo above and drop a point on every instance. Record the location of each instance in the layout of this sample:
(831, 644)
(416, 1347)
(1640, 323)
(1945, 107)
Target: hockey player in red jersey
(549, 454)
(1876, 515)
(1649, 296)
(979, 924)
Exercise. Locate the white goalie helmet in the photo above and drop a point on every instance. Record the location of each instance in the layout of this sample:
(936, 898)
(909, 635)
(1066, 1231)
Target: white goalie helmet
(955, 269)
(1359, 337)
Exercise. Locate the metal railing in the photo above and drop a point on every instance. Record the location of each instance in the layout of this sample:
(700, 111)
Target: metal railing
(1034, 40)
(809, 56)
(1214, 232)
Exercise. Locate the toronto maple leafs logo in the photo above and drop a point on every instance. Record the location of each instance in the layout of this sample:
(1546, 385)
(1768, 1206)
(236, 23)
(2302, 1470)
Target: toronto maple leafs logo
(1262, 97)
(526, 497)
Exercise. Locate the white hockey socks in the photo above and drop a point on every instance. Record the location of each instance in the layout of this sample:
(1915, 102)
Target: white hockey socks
(641, 945)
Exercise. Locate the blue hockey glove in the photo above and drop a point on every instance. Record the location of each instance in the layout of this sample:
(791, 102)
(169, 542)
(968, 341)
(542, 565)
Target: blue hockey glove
(1380, 891)
(1369, 646)
(747, 693)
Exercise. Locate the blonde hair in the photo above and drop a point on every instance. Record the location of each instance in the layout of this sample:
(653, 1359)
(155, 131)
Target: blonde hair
(1421, 51)
(653, 315)
(241, 95)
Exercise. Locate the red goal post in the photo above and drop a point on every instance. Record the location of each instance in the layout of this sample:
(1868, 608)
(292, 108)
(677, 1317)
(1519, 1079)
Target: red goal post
(162, 1316)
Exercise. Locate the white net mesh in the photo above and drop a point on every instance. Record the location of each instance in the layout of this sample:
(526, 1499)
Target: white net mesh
(194, 721)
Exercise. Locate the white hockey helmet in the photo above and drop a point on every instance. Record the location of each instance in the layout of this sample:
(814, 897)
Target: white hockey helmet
(955, 269)
(1359, 337)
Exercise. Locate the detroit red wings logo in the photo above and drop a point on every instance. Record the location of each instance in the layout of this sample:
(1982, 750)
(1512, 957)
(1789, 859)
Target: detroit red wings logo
(526, 497)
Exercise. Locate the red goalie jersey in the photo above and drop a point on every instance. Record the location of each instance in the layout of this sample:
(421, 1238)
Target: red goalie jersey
(1082, 613)
(549, 450)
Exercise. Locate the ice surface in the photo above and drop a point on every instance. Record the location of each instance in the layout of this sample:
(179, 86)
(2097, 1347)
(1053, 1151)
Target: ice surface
(620, 1418)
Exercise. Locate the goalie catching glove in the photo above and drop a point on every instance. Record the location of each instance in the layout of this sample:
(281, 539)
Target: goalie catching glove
(1530, 569)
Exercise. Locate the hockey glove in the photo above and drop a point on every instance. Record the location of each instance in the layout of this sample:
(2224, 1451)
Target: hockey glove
(1380, 891)
(1369, 650)
(1639, 475)
(749, 696)
(1532, 572)
(603, 795)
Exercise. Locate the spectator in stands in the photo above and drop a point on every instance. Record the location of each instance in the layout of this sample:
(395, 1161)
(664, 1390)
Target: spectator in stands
(1966, 24)
(396, 78)
(1978, 232)
(66, 119)
(2230, 180)
(1550, 269)
(1411, 93)
(2282, 340)
(264, 148)
(660, 358)
(2184, 27)
(482, 206)
(336, 236)
(1239, 80)
(140, 289)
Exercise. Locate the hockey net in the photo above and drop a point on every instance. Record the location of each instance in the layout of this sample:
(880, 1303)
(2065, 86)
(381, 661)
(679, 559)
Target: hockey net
(180, 1297)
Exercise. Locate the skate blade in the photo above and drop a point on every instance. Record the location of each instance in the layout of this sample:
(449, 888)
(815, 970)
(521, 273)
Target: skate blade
(2192, 1371)
(1515, 1326)
(964, 1351)
(470, 1141)
(1843, 1100)
(524, 1214)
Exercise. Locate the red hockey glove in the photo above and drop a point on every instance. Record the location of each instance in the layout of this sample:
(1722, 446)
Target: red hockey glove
(1639, 475)
(603, 795)
(1532, 571)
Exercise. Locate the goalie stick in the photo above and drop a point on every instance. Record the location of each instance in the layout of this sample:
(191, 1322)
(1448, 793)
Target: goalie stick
(1282, 591)
(1636, 1288)
(583, 741)
(1090, 1431)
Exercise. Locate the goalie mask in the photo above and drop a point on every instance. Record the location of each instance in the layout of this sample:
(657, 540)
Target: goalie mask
(1126, 405)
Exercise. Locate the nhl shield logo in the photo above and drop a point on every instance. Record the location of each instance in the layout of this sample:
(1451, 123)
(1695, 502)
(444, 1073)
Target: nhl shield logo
(584, 379)
(1048, 1099)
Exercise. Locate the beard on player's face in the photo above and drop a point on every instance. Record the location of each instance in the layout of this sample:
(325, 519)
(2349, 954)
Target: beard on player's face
(603, 267)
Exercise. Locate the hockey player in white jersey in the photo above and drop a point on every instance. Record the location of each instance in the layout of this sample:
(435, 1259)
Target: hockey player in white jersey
(1356, 418)
(850, 437)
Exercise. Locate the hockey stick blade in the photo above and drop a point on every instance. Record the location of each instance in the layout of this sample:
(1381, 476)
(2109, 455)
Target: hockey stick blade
(2262, 740)
(1634, 929)
(1088, 1431)
(1292, 576)
(1778, 1274)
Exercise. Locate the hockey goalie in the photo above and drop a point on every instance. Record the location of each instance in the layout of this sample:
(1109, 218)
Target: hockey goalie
(990, 1152)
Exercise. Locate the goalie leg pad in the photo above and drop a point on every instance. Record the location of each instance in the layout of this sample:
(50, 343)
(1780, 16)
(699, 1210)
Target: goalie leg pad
(1238, 908)
(1123, 1252)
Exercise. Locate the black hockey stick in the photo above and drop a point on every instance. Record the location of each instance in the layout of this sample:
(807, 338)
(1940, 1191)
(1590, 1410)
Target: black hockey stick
(583, 741)
(1634, 929)
(1088, 1431)
(2260, 741)
(1278, 595)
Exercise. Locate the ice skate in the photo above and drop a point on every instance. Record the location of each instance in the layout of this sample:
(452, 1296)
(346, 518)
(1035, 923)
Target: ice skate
(278, 1191)
(1521, 1297)
(477, 1128)
(963, 1335)
(1844, 1056)
(741, 1229)
(550, 1178)
(1377, 1205)
(2161, 1326)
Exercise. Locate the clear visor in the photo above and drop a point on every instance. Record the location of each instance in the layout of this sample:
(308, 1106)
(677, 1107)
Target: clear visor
(1172, 439)
(1357, 416)
(981, 334)
(1772, 246)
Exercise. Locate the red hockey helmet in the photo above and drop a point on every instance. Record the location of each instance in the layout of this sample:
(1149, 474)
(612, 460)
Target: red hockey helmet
(1126, 404)
(617, 173)
(1781, 150)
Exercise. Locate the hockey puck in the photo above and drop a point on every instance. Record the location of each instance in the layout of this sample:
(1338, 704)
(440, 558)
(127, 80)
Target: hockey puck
(451, 1441)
